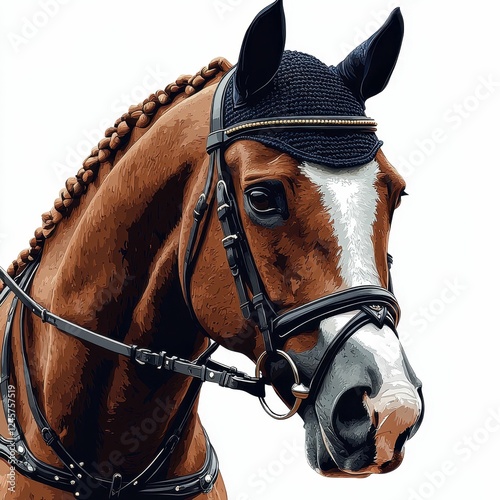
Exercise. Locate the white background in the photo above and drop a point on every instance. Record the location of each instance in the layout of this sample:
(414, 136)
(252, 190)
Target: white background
(81, 68)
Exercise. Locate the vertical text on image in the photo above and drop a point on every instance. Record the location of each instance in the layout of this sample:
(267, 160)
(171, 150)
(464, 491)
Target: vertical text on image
(468, 445)
(11, 417)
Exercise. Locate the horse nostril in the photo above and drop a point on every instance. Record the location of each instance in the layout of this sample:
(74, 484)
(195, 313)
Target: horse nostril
(350, 406)
(351, 420)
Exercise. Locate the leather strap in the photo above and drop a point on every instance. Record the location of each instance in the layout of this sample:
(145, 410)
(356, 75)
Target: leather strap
(254, 302)
(224, 136)
(302, 318)
(231, 379)
(74, 477)
(48, 434)
(190, 257)
(353, 325)
(6, 347)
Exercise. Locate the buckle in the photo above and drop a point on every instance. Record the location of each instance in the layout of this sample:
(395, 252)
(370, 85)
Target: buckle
(229, 240)
(170, 445)
(143, 356)
(215, 140)
(141, 352)
(201, 206)
(48, 435)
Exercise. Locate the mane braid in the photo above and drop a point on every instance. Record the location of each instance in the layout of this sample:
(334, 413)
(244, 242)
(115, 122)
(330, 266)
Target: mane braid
(115, 139)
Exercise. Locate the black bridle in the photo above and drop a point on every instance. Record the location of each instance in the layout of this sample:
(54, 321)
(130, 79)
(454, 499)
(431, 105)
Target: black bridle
(375, 304)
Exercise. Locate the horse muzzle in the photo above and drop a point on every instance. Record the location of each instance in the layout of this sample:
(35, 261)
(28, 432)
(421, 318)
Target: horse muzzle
(369, 404)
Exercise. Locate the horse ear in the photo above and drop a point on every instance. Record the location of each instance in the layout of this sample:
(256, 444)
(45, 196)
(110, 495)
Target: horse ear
(260, 54)
(368, 68)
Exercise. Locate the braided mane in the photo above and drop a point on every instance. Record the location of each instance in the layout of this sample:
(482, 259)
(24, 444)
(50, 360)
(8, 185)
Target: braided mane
(115, 139)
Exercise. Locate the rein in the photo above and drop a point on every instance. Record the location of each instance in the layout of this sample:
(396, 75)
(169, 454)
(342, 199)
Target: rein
(209, 371)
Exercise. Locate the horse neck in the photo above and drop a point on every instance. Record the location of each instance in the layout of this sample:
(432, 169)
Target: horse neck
(119, 276)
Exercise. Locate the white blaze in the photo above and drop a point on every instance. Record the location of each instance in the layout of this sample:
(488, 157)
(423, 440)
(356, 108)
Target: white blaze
(350, 198)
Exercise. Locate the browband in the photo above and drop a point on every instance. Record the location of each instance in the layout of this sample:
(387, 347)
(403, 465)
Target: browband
(327, 123)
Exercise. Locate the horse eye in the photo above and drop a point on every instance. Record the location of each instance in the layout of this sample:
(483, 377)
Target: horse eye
(265, 203)
(261, 200)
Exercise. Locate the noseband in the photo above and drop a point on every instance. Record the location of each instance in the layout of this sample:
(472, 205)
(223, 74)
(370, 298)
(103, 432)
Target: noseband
(375, 304)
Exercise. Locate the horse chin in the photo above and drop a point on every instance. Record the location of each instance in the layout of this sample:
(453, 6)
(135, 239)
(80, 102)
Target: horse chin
(323, 458)
(318, 457)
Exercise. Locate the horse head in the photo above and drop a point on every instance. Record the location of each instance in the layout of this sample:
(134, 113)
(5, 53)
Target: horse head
(310, 198)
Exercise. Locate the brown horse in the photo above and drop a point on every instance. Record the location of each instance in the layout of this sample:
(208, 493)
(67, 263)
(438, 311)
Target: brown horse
(120, 257)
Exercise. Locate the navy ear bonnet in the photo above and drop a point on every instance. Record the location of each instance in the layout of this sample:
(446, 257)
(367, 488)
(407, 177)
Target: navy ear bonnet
(270, 82)
(304, 86)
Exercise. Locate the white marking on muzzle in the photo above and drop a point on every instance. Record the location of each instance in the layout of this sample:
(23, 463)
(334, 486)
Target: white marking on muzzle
(381, 343)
